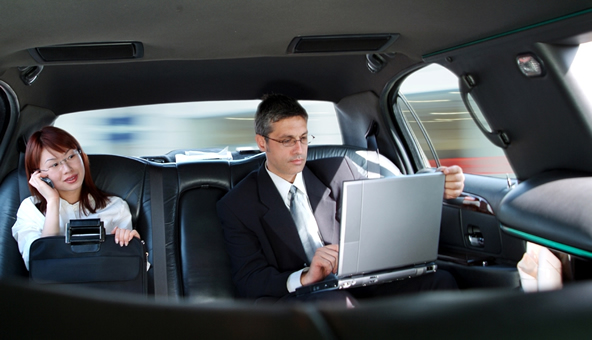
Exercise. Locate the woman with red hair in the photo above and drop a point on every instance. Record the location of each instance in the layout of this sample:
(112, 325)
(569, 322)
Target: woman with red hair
(55, 155)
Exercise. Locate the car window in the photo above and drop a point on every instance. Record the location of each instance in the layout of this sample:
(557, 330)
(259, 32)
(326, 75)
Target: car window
(580, 70)
(431, 101)
(158, 129)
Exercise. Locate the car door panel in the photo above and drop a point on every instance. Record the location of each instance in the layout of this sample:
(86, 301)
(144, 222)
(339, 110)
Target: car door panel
(472, 244)
(548, 209)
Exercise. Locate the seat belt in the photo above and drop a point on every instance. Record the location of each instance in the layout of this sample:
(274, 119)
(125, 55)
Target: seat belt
(21, 171)
(159, 261)
(24, 191)
(373, 156)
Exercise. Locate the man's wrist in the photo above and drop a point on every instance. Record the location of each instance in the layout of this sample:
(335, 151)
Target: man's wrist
(294, 281)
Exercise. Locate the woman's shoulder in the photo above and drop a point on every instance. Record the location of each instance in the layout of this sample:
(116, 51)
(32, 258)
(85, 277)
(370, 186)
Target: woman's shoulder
(114, 198)
(112, 202)
(29, 208)
(110, 199)
(116, 201)
(29, 202)
(120, 206)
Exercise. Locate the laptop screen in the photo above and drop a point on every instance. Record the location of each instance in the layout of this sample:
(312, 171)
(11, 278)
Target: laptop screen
(390, 223)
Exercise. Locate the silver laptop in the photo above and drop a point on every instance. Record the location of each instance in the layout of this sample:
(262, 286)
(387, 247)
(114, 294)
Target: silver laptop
(390, 229)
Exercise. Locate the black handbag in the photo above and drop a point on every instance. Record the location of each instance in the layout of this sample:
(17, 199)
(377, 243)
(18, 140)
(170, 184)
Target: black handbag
(86, 256)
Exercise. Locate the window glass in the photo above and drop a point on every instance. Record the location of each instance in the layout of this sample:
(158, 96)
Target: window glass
(433, 94)
(580, 70)
(157, 129)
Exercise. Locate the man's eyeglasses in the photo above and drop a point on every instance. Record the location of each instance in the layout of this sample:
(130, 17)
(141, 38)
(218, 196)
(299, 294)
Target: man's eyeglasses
(72, 158)
(290, 142)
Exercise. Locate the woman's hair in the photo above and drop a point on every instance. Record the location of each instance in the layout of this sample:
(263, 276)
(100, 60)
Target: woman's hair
(61, 141)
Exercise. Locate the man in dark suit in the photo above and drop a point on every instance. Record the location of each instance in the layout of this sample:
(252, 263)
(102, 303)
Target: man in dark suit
(268, 257)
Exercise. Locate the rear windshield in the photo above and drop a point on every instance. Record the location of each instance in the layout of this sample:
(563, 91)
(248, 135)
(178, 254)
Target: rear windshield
(158, 129)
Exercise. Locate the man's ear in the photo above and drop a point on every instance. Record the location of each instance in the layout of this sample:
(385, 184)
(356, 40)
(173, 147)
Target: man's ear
(261, 143)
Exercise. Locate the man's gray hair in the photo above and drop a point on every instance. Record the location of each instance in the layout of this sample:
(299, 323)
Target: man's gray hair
(273, 108)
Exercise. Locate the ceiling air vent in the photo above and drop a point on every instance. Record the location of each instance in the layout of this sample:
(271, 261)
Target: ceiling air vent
(342, 43)
(88, 52)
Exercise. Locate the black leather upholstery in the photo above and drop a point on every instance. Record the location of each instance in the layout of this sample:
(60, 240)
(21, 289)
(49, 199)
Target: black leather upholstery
(197, 265)
(549, 206)
(483, 314)
(126, 178)
(11, 262)
(204, 263)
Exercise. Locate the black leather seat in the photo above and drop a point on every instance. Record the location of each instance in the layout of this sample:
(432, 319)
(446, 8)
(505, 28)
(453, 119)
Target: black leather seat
(196, 265)
(121, 176)
(204, 264)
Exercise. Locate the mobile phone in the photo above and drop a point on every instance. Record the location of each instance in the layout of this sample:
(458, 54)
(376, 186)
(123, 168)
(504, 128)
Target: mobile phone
(48, 181)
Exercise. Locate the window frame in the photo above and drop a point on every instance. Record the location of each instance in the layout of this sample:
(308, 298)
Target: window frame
(418, 156)
(410, 138)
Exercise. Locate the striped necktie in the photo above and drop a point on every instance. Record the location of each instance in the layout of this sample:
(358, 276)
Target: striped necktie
(308, 229)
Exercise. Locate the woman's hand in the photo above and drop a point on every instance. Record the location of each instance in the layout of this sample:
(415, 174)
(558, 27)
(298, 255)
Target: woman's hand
(44, 189)
(124, 236)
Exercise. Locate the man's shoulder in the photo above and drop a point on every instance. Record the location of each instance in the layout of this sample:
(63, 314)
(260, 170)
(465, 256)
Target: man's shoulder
(246, 186)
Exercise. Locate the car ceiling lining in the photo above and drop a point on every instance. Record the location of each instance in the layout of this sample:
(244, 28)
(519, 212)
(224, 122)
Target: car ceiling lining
(540, 116)
(518, 30)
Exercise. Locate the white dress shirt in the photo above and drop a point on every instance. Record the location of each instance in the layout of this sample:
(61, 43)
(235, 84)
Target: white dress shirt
(283, 187)
(29, 220)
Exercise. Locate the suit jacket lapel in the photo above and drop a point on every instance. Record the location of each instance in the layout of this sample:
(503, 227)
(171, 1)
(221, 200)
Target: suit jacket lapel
(278, 219)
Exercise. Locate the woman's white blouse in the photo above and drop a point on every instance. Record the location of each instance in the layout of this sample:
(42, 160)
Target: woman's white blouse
(29, 220)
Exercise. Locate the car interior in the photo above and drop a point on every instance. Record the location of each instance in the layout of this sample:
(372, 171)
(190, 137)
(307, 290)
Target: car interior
(515, 64)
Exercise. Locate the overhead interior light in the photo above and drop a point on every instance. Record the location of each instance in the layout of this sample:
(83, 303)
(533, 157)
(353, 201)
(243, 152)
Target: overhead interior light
(342, 43)
(529, 65)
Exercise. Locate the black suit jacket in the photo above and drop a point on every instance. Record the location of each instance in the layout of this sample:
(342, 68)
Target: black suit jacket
(261, 237)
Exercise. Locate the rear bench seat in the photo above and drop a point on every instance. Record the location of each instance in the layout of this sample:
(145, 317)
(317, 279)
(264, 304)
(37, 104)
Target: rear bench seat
(197, 266)
(121, 176)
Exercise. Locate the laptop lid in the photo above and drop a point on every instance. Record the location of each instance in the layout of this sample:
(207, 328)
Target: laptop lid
(389, 223)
